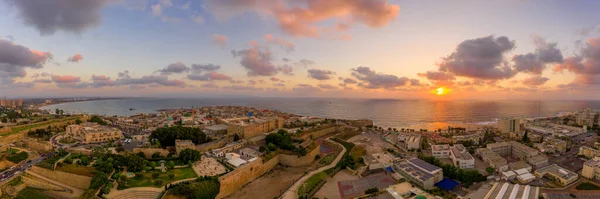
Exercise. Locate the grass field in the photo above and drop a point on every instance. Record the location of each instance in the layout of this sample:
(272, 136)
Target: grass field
(32, 193)
(20, 128)
(148, 181)
(77, 169)
(67, 141)
(327, 159)
(311, 183)
(357, 152)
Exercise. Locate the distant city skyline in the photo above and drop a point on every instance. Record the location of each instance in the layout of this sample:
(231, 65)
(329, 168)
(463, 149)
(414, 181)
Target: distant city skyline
(537, 50)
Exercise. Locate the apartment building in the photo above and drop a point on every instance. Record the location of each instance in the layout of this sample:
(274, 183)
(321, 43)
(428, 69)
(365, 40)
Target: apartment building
(512, 148)
(591, 169)
(461, 157)
(500, 148)
(419, 172)
(588, 152)
(493, 159)
(562, 175)
(440, 151)
(509, 124)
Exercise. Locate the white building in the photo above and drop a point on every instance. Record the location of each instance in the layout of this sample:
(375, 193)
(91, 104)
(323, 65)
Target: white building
(440, 151)
(461, 157)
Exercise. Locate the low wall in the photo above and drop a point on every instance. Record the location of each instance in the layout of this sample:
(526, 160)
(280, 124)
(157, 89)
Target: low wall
(12, 137)
(295, 161)
(149, 151)
(241, 176)
(78, 181)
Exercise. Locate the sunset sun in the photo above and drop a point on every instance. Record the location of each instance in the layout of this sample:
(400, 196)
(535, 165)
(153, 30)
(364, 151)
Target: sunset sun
(439, 91)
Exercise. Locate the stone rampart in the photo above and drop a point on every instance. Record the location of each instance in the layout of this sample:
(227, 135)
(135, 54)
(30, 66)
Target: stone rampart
(241, 176)
(78, 181)
(320, 131)
(295, 161)
(149, 151)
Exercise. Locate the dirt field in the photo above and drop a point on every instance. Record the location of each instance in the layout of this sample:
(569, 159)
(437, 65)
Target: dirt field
(270, 185)
(4, 164)
(330, 190)
(372, 142)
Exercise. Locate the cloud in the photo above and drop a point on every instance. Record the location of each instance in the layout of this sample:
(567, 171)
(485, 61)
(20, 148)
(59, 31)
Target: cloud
(211, 76)
(209, 85)
(279, 84)
(535, 63)
(148, 80)
(43, 81)
(586, 65)
(327, 86)
(169, 19)
(156, 10)
(69, 81)
(65, 79)
(15, 58)
(480, 58)
(306, 89)
(437, 76)
(284, 44)
(200, 68)
(285, 59)
(174, 68)
(275, 79)
(350, 81)
(243, 88)
(320, 74)
(286, 69)
(372, 80)
(186, 5)
(75, 58)
(252, 82)
(101, 81)
(49, 16)
(220, 39)
(535, 81)
(257, 61)
(304, 63)
(301, 17)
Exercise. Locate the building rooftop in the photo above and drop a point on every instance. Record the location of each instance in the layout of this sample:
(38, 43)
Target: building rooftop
(461, 154)
(518, 165)
(492, 156)
(537, 158)
(424, 165)
(593, 162)
(505, 190)
(557, 171)
(441, 147)
(369, 159)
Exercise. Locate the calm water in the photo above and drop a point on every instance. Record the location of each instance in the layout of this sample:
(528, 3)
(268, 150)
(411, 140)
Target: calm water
(386, 113)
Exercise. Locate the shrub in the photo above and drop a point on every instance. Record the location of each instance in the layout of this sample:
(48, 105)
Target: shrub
(372, 190)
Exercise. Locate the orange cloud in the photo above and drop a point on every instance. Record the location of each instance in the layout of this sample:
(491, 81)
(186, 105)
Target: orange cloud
(75, 58)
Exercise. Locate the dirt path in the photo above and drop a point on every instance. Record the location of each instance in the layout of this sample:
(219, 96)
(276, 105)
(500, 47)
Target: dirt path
(330, 189)
(292, 192)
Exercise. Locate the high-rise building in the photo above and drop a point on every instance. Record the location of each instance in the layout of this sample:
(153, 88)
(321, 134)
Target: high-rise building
(20, 102)
(585, 118)
(13, 103)
(4, 102)
(507, 125)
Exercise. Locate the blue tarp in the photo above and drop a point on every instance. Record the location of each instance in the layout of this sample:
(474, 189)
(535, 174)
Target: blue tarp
(446, 184)
(389, 169)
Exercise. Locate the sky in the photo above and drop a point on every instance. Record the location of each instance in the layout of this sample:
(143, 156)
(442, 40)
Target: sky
(395, 49)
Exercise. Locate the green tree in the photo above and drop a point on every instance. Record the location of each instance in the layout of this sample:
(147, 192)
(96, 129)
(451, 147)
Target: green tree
(525, 138)
(189, 155)
(371, 190)
(490, 170)
(78, 121)
(170, 165)
(166, 136)
(141, 154)
(171, 176)
(98, 180)
(153, 165)
(156, 155)
(155, 175)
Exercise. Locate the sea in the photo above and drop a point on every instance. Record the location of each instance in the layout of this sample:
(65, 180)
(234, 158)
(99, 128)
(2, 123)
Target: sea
(394, 113)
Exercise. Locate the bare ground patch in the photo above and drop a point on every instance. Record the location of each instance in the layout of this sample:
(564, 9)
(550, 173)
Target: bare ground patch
(269, 185)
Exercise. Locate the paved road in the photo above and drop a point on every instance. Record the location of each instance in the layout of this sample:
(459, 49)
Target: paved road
(19, 168)
(292, 192)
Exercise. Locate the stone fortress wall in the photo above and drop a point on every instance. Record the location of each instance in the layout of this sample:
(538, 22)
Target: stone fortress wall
(149, 151)
(74, 180)
(295, 161)
(241, 176)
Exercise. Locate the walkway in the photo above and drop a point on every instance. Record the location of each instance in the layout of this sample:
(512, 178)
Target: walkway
(76, 191)
(292, 192)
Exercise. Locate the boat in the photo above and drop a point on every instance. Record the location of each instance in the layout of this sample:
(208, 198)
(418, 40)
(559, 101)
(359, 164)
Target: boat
(131, 109)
